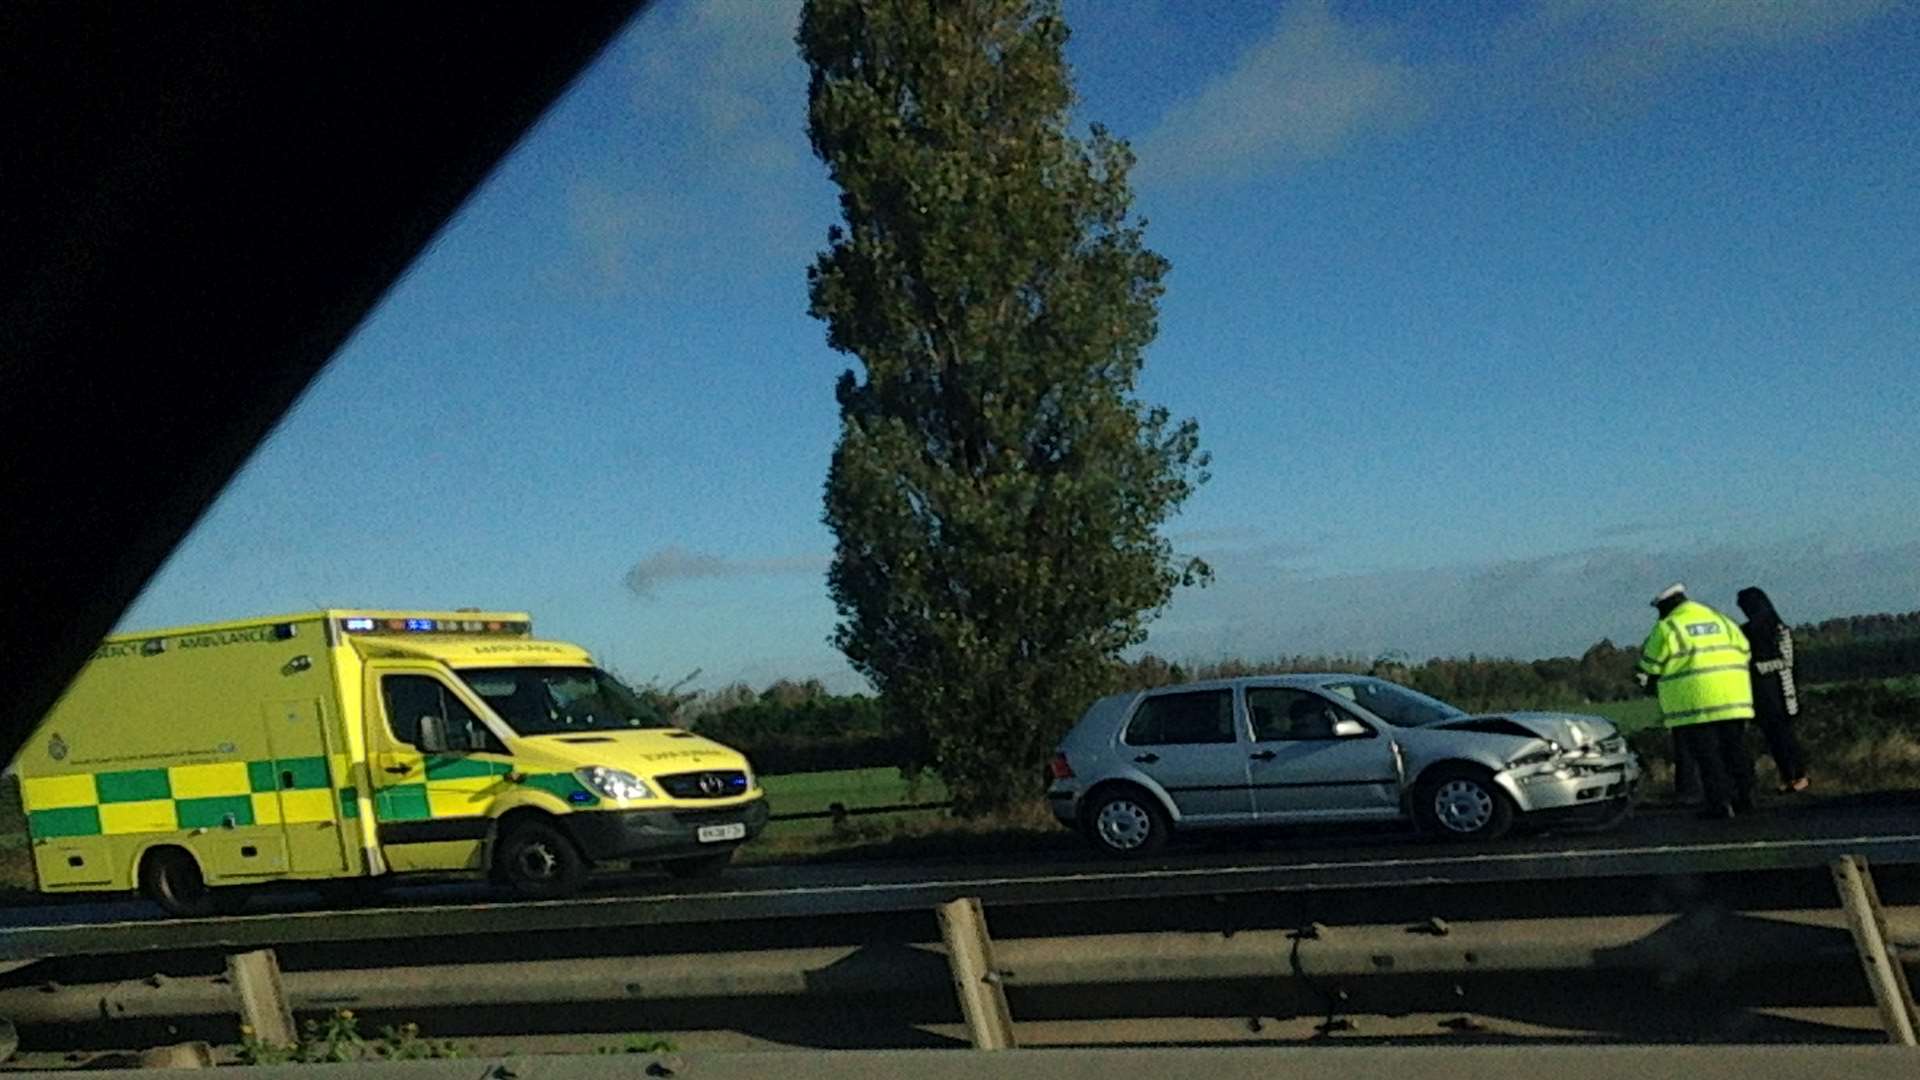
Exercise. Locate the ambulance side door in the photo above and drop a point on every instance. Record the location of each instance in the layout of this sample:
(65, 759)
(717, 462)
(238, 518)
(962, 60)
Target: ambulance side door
(430, 810)
(297, 787)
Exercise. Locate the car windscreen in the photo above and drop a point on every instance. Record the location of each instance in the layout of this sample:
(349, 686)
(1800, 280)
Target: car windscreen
(560, 700)
(1393, 703)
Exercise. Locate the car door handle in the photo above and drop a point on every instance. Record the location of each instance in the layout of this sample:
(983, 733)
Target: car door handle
(1147, 759)
(399, 770)
(1264, 755)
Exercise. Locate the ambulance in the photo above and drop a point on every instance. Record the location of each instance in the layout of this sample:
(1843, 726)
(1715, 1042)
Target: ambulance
(346, 748)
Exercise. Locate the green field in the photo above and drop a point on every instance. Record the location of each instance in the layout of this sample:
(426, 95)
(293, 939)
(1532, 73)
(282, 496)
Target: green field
(1629, 716)
(801, 793)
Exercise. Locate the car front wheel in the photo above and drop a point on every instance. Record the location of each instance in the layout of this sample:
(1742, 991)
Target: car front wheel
(1462, 804)
(1128, 824)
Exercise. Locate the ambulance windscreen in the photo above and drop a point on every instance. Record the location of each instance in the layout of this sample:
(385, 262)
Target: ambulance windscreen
(561, 700)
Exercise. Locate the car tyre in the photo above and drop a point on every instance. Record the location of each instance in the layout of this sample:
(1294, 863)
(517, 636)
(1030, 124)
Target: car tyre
(1127, 823)
(710, 865)
(539, 862)
(171, 878)
(1462, 803)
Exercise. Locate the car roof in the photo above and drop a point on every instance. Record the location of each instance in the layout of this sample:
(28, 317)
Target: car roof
(1305, 680)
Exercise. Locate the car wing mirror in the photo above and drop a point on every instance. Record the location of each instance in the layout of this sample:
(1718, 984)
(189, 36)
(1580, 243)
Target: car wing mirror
(1348, 729)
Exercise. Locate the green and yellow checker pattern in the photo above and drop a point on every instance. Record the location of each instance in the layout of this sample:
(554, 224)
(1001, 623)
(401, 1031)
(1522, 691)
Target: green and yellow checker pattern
(458, 786)
(270, 792)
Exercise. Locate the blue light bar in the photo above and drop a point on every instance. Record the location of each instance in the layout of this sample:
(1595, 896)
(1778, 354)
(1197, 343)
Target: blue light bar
(420, 624)
(359, 624)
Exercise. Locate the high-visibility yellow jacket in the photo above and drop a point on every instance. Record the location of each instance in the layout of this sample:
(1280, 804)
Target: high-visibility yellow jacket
(1700, 658)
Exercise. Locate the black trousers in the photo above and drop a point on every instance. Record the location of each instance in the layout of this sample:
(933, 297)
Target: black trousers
(1719, 750)
(1686, 772)
(1772, 719)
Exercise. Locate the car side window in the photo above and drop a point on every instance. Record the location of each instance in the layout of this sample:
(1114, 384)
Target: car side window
(410, 697)
(1282, 713)
(1199, 716)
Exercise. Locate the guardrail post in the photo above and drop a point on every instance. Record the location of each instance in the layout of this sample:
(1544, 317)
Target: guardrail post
(983, 999)
(263, 1003)
(1885, 973)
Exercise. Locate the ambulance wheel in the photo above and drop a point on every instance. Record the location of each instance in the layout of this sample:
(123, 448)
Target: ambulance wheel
(171, 878)
(700, 866)
(539, 862)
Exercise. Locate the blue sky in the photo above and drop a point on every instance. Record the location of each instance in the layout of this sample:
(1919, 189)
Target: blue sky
(1496, 318)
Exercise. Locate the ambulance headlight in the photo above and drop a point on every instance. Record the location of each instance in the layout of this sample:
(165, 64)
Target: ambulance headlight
(614, 783)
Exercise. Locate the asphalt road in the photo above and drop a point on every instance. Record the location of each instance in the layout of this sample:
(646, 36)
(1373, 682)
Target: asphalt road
(1802, 833)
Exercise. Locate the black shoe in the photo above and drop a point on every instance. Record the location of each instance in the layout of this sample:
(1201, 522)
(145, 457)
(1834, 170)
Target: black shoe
(1716, 813)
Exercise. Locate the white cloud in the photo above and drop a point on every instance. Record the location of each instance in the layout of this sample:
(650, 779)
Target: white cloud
(1308, 91)
(733, 66)
(671, 564)
(715, 97)
(606, 227)
(1318, 85)
(1724, 22)
(1591, 57)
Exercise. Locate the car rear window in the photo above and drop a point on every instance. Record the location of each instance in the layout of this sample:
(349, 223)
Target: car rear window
(1199, 716)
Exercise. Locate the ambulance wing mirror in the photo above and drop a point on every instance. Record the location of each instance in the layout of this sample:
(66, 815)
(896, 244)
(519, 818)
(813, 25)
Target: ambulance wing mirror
(433, 735)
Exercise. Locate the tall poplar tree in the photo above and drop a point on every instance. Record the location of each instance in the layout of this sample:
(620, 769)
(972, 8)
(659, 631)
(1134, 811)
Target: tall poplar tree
(997, 492)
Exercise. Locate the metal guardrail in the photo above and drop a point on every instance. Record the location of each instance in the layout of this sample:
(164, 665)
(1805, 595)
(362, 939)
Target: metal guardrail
(1215, 1063)
(1738, 943)
(1023, 887)
(980, 971)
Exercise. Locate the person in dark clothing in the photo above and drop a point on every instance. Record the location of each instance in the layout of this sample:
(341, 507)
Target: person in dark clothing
(1776, 700)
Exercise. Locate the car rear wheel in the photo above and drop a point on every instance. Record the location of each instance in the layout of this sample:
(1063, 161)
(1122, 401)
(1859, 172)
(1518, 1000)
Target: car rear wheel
(1462, 804)
(1127, 824)
(539, 862)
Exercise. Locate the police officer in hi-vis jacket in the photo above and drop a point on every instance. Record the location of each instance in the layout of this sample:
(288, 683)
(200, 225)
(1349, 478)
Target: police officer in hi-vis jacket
(1695, 660)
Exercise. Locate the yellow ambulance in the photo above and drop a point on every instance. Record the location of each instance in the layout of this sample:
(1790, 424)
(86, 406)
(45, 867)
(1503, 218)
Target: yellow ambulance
(342, 746)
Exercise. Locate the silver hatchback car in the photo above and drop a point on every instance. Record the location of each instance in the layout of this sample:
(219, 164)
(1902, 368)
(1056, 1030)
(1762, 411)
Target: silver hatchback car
(1300, 749)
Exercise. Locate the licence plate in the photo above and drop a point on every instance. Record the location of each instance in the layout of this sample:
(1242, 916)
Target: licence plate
(709, 834)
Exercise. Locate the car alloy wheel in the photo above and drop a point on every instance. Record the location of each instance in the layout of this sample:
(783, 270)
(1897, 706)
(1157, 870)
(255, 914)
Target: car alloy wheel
(1463, 806)
(1123, 825)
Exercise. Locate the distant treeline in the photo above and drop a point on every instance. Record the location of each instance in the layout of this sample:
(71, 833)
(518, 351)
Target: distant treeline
(794, 727)
(799, 727)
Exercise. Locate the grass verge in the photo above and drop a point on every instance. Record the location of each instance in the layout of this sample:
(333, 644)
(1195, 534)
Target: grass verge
(925, 835)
